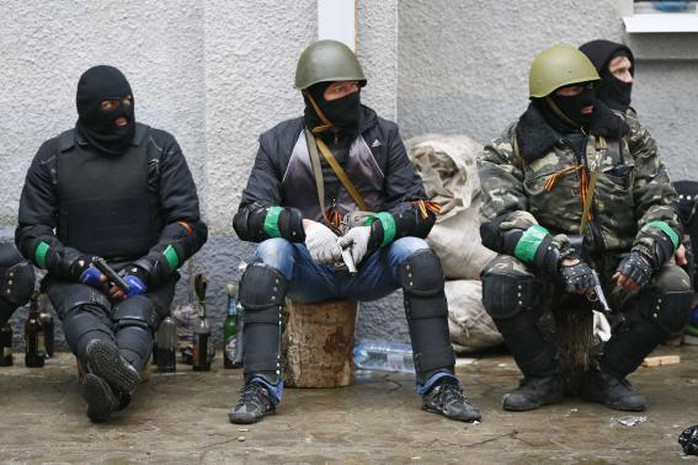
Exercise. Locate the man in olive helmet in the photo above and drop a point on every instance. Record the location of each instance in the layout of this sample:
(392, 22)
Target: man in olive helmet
(339, 178)
(571, 165)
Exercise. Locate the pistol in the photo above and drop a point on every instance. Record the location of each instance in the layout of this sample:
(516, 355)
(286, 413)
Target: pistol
(346, 257)
(597, 296)
(102, 265)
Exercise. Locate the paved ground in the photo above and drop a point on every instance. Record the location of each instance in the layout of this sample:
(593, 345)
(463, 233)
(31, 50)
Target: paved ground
(182, 418)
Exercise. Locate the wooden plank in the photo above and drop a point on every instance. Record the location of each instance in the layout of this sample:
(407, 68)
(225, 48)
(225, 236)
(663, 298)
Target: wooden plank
(661, 360)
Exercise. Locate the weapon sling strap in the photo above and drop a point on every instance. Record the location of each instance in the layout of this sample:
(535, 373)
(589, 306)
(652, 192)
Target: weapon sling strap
(336, 167)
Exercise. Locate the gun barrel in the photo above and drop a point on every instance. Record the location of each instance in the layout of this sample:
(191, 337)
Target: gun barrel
(600, 296)
(348, 260)
(102, 265)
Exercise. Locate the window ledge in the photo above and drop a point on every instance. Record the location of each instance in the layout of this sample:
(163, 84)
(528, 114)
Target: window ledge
(661, 22)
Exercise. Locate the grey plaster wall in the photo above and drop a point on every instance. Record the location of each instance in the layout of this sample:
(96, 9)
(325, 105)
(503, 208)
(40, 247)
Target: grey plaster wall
(463, 67)
(215, 73)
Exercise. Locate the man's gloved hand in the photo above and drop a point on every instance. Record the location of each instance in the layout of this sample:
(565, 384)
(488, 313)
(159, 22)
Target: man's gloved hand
(321, 243)
(634, 271)
(82, 271)
(136, 278)
(357, 239)
(576, 276)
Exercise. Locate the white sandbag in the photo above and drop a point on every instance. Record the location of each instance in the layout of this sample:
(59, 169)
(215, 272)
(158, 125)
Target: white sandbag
(447, 165)
(470, 327)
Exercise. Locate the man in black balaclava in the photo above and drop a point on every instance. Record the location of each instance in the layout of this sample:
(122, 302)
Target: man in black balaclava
(567, 165)
(116, 190)
(615, 64)
(339, 178)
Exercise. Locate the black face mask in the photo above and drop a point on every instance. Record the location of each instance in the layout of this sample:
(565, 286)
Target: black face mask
(614, 92)
(97, 126)
(571, 107)
(343, 113)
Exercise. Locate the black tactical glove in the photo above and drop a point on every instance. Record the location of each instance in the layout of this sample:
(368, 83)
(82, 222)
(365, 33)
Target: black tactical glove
(638, 267)
(577, 278)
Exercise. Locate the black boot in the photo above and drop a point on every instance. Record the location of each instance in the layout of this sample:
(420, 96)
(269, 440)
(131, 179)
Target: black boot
(101, 399)
(104, 360)
(612, 391)
(253, 404)
(534, 392)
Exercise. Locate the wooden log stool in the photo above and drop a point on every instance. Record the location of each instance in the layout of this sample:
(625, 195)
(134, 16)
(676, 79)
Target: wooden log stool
(317, 342)
(575, 338)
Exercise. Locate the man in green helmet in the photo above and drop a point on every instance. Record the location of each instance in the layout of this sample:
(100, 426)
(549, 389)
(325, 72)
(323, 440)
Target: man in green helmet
(336, 179)
(572, 188)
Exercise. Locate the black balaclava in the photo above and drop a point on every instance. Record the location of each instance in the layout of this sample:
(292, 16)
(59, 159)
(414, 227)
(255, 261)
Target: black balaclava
(338, 117)
(567, 111)
(611, 90)
(97, 126)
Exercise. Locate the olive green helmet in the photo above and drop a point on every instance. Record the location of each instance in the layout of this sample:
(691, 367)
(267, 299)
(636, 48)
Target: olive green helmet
(559, 66)
(325, 61)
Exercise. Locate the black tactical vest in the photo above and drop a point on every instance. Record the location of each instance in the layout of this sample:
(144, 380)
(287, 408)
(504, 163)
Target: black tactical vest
(105, 204)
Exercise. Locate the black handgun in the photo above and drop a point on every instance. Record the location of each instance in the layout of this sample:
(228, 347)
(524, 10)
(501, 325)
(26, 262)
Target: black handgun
(597, 296)
(102, 265)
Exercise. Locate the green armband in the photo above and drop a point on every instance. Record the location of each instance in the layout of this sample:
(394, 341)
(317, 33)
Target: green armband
(528, 245)
(389, 227)
(40, 253)
(271, 221)
(172, 258)
(666, 229)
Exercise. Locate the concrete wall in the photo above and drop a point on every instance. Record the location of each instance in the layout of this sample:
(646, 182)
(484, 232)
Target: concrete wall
(463, 67)
(215, 73)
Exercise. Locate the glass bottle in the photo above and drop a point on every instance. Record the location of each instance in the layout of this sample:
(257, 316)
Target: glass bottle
(6, 358)
(230, 330)
(166, 346)
(34, 342)
(47, 323)
(201, 337)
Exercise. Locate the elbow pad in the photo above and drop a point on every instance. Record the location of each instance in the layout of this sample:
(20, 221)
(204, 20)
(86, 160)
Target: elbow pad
(533, 245)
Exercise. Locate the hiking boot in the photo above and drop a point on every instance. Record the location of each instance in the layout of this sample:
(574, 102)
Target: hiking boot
(101, 400)
(104, 360)
(254, 403)
(612, 391)
(534, 392)
(449, 400)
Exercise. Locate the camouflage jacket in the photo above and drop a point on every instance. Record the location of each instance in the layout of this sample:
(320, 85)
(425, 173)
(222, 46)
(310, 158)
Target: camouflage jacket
(532, 174)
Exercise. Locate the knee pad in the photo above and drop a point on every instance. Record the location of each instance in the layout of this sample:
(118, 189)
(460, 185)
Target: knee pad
(136, 311)
(17, 283)
(262, 286)
(421, 274)
(507, 289)
(669, 311)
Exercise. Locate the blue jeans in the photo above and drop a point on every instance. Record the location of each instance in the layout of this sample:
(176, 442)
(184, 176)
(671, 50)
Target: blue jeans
(378, 274)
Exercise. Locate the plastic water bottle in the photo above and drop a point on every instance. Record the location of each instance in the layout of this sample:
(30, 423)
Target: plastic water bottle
(384, 356)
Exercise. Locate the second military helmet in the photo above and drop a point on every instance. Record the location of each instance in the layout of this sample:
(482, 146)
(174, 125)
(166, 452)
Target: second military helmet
(326, 61)
(559, 66)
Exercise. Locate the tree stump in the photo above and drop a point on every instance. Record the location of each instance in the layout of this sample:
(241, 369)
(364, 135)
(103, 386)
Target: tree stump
(317, 343)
